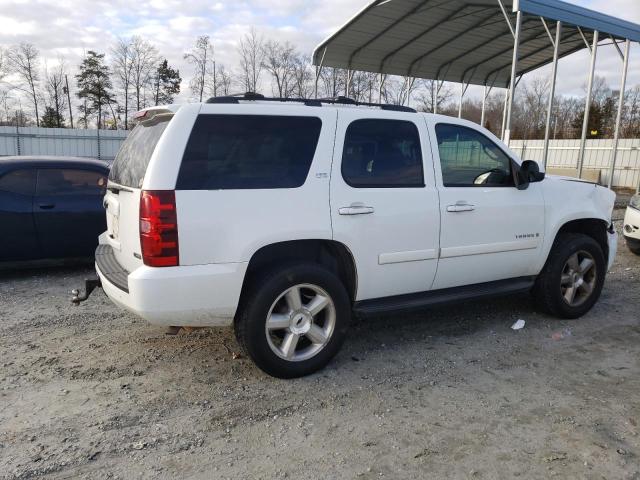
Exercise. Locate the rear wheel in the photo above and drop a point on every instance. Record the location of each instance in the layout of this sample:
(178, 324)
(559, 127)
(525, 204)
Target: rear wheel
(573, 277)
(293, 319)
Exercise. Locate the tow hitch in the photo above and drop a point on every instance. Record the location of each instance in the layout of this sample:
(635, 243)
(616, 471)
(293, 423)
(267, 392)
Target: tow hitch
(89, 286)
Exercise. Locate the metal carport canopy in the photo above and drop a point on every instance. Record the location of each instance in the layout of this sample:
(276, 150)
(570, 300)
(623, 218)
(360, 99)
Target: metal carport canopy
(465, 41)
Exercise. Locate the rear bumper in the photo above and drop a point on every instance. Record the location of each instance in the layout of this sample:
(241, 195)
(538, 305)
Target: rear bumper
(193, 296)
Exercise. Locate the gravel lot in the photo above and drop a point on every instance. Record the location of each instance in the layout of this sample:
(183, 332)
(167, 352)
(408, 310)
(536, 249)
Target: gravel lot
(92, 392)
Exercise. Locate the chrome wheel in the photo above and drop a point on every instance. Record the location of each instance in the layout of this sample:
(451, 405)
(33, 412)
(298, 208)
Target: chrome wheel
(300, 322)
(579, 278)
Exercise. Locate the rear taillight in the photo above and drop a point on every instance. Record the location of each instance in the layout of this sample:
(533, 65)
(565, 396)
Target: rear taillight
(159, 228)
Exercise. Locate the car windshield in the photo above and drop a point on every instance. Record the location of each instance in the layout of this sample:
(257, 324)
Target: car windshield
(131, 162)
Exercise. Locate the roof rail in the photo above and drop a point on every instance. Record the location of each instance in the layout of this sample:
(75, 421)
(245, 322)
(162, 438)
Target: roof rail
(310, 102)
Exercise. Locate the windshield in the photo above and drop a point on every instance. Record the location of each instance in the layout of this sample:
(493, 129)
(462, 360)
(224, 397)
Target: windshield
(131, 162)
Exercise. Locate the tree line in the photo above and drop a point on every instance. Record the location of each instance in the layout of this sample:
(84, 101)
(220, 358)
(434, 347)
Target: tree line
(108, 87)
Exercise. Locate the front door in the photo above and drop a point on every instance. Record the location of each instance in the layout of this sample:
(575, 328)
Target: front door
(490, 229)
(384, 204)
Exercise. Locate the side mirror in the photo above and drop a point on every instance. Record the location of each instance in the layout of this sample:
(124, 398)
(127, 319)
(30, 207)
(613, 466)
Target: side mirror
(529, 172)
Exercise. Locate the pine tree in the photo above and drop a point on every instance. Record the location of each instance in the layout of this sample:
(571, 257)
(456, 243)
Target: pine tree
(94, 85)
(51, 119)
(166, 83)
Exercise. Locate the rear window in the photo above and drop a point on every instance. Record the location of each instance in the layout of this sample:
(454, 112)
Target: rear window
(131, 163)
(227, 152)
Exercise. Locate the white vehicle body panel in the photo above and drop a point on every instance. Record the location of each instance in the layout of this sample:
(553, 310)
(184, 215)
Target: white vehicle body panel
(499, 238)
(219, 226)
(396, 246)
(632, 219)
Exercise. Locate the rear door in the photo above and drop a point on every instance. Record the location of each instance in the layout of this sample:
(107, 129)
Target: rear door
(18, 239)
(122, 200)
(68, 210)
(384, 204)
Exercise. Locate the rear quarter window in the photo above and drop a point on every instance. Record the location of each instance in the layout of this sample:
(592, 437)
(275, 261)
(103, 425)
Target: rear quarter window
(228, 152)
(132, 160)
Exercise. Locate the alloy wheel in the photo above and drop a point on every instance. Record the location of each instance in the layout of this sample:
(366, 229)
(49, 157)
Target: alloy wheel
(578, 280)
(300, 322)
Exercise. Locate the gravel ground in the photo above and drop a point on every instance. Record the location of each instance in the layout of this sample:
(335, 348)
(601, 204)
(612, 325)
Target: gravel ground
(92, 392)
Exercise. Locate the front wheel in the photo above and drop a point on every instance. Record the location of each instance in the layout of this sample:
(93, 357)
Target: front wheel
(293, 319)
(573, 277)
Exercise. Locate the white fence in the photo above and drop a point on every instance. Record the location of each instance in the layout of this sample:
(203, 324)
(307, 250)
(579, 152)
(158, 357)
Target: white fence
(598, 156)
(103, 144)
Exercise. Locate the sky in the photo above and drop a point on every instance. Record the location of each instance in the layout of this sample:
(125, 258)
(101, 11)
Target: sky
(70, 27)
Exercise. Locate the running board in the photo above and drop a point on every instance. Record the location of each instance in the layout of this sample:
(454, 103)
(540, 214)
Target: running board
(418, 301)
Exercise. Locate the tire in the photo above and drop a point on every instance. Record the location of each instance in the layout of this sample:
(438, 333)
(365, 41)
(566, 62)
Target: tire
(633, 245)
(302, 335)
(635, 251)
(552, 290)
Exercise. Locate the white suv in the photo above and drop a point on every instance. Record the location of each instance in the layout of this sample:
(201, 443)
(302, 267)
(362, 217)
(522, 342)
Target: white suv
(285, 218)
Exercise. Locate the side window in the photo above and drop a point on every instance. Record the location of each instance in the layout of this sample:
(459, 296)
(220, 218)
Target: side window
(382, 153)
(227, 152)
(21, 182)
(469, 159)
(56, 181)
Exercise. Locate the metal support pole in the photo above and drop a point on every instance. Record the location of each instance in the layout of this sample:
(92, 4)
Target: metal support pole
(552, 93)
(504, 113)
(436, 90)
(66, 80)
(18, 117)
(462, 90)
(484, 107)
(319, 71)
(616, 136)
(587, 108)
(514, 70)
(348, 84)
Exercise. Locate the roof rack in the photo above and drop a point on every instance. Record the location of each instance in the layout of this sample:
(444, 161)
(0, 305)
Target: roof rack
(310, 102)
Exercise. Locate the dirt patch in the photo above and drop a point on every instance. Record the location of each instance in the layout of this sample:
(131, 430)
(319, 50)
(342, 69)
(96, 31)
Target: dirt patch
(93, 392)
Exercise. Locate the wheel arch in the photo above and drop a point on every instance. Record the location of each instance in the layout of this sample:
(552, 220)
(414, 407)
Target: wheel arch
(595, 228)
(333, 255)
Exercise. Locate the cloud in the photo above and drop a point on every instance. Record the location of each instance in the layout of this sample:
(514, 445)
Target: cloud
(70, 27)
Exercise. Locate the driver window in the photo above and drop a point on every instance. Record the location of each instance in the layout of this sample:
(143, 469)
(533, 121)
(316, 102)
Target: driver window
(469, 159)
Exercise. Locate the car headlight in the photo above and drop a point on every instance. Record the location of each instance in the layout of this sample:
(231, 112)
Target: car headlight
(635, 202)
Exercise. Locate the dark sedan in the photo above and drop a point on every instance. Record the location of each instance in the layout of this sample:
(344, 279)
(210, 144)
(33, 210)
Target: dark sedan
(51, 207)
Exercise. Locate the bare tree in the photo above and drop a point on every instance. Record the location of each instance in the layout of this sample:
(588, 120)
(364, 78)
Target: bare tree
(201, 57)
(3, 64)
(333, 81)
(279, 61)
(252, 54)
(428, 96)
(122, 67)
(24, 61)
(144, 58)
(303, 77)
(398, 90)
(55, 88)
(631, 121)
(223, 81)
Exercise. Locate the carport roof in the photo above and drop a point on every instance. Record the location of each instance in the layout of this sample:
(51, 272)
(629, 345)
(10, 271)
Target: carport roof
(466, 41)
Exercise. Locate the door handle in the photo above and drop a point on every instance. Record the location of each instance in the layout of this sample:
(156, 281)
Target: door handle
(46, 206)
(356, 209)
(461, 207)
